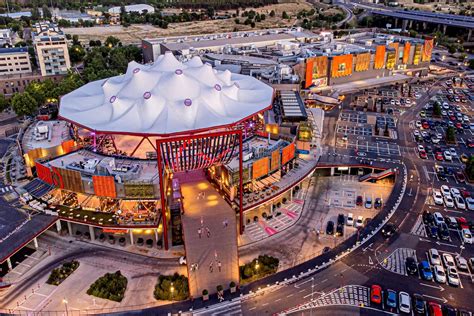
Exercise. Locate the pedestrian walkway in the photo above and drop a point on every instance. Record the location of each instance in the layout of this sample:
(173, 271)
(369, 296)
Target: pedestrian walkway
(282, 218)
(395, 262)
(354, 295)
(419, 228)
(233, 308)
(210, 233)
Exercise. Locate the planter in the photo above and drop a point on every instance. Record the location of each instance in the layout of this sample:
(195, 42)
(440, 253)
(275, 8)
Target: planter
(102, 237)
(205, 295)
(111, 239)
(232, 287)
(122, 241)
(149, 243)
(140, 241)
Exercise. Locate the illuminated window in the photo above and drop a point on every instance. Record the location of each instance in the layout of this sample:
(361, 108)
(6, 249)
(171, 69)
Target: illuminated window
(341, 67)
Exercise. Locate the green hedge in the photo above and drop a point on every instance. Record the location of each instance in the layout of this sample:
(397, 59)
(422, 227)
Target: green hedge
(60, 274)
(111, 286)
(266, 265)
(163, 288)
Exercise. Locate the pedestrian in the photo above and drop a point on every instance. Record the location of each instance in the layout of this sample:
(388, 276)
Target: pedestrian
(219, 265)
(211, 267)
(196, 266)
(199, 232)
(202, 221)
(208, 232)
(215, 254)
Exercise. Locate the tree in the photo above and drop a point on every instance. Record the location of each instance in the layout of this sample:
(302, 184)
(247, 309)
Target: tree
(111, 41)
(437, 109)
(76, 53)
(450, 135)
(24, 104)
(284, 15)
(46, 13)
(272, 13)
(470, 168)
(4, 104)
(471, 63)
(35, 14)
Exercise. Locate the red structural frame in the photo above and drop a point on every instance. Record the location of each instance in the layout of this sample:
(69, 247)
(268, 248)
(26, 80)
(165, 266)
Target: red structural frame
(161, 173)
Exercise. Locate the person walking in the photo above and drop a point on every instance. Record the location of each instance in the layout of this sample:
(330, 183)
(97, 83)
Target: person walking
(202, 221)
(208, 232)
(211, 267)
(215, 254)
(219, 265)
(199, 232)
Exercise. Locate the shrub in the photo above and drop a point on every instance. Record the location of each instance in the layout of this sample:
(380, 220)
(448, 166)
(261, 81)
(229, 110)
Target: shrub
(267, 265)
(205, 292)
(180, 285)
(60, 274)
(111, 286)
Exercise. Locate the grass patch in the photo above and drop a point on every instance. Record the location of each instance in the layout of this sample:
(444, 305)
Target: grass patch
(259, 268)
(111, 286)
(172, 288)
(60, 274)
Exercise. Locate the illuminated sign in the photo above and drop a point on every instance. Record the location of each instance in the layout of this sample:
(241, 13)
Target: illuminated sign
(316, 68)
(341, 66)
(288, 153)
(260, 168)
(417, 55)
(406, 53)
(427, 50)
(362, 62)
(379, 57)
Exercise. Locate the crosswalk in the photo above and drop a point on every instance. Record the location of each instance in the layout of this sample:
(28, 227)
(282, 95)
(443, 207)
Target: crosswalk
(419, 228)
(395, 262)
(233, 308)
(353, 295)
(6, 189)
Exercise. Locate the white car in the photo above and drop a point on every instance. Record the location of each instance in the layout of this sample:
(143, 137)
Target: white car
(182, 260)
(455, 192)
(416, 133)
(448, 201)
(438, 197)
(421, 148)
(453, 152)
(445, 190)
(470, 203)
(466, 236)
(359, 221)
(453, 276)
(448, 261)
(418, 124)
(350, 219)
(447, 156)
(460, 202)
(461, 263)
(435, 140)
(438, 218)
(404, 302)
(407, 101)
(434, 256)
(440, 274)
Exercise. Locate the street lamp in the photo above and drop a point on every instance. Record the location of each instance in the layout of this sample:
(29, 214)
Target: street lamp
(65, 305)
(172, 290)
(256, 265)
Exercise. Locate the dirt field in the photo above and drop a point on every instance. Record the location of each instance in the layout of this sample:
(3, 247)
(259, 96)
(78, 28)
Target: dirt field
(135, 33)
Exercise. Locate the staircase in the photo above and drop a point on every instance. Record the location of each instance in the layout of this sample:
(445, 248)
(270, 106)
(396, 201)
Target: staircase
(377, 176)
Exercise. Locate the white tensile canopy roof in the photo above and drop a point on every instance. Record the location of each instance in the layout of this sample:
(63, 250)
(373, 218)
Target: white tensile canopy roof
(166, 97)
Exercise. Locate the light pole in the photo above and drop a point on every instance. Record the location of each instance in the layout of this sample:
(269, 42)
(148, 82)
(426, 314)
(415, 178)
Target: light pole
(65, 306)
(172, 290)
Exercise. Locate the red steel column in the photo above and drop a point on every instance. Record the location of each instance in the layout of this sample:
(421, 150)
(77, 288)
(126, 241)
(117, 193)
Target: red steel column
(162, 196)
(241, 220)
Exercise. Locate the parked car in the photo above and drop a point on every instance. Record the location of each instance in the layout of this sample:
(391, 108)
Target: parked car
(462, 222)
(359, 200)
(453, 276)
(391, 300)
(368, 202)
(448, 201)
(376, 294)
(460, 177)
(466, 236)
(445, 190)
(428, 218)
(425, 271)
(433, 231)
(419, 304)
(340, 230)
(461, 263)
(443, 231)
(438, 218)
(440, 274)
(455, 192)
(330, 228)
(378, 203)
(438, 197)
(459, 201)
(350, 219)
(340, 219)
(448, 260)
(359, 221)
(404, 302)
(411, 266)
(435, 258)
(470, 203)
(434, 309)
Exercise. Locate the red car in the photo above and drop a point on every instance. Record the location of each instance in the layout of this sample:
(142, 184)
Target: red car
(465, 194)
(434, 309)
(439, 157)
(425, 125)
(470, 143)
(460, 177)
(458, 125)
(376, 294)
(462, 222)
(359, 200)
(423, 154)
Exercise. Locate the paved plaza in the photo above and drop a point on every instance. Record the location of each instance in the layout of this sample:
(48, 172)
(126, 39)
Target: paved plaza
(206, 211)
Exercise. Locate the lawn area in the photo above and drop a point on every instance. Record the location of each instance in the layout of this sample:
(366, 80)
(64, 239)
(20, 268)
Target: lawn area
(111, 286)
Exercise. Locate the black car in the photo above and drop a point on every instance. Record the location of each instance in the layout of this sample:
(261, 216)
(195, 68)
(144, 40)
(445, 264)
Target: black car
(419, 304)
(378, 203)
(449, 311)
(428, 218)
(442, 176)
(340, 219)
(433, 232)
(330, 228)
(412, 267)
(451, 222)
(340, 230)
(388, 230)
(443, 231)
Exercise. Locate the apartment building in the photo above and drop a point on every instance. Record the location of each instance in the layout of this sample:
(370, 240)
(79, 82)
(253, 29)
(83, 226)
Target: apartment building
(51, 49)
(5, 37)
(14, 61)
